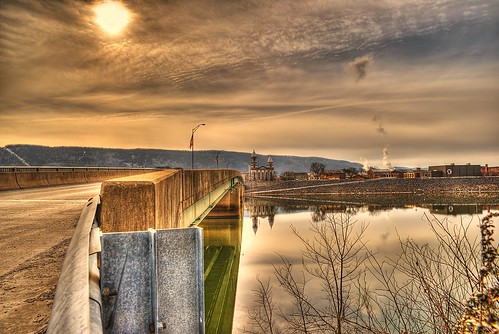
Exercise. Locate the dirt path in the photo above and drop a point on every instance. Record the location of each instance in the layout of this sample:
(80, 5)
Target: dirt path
(36, 226)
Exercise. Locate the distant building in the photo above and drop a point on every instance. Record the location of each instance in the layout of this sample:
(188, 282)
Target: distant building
(374, 173)
(416, 174)
(453, 170)
(490, 171)
(333, 175)
(358, 177)
(261, 173)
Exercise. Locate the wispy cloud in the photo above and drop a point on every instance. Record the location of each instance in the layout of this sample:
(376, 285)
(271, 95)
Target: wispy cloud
(276, 68)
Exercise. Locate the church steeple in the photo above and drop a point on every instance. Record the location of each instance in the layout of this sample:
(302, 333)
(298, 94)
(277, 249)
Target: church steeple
(270, 162)
(254, 162)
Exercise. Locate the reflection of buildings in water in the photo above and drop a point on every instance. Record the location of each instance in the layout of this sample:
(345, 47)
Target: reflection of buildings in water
(456, 209)
(262, 211)
(263, 208)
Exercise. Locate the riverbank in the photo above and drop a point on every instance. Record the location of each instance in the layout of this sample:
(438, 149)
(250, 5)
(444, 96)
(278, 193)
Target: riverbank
(476, 187)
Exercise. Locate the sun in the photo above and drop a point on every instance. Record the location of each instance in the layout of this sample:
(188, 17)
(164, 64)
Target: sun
(112, 17)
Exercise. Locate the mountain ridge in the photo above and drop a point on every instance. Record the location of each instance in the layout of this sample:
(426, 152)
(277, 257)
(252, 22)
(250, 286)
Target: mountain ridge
(80, 156)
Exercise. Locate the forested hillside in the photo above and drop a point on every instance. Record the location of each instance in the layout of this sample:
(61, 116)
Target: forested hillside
(34, 155)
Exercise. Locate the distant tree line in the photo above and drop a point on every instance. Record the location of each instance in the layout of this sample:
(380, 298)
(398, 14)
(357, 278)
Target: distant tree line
(316, 170)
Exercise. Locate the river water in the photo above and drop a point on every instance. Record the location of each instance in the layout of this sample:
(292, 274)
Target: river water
(267, 235)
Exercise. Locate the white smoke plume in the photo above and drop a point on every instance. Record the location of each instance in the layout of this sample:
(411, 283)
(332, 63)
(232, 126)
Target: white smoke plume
(365, 164)
(359, 67)
(386, 162)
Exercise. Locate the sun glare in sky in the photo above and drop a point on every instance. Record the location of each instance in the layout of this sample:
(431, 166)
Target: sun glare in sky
(111, 16)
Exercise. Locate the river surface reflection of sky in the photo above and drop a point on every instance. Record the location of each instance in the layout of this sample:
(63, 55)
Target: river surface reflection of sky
(267, 235)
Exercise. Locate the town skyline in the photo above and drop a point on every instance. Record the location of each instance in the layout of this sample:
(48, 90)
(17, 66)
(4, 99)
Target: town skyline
(407, 83)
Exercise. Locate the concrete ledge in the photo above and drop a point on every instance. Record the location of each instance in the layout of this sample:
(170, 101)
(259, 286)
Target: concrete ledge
(140, 202)
(160, 200)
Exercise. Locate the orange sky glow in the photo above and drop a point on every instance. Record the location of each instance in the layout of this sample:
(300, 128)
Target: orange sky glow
(416, 79)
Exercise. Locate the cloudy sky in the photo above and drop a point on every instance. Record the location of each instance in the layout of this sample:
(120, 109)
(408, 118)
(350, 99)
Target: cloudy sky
(413, 81)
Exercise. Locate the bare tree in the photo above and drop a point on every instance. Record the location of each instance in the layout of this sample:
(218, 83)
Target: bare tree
(317, 168)
(419, 291)
(263, 315)
(422, 289)
(333, 258)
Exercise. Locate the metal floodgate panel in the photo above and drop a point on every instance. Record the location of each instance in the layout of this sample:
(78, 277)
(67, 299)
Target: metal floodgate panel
(153, 281)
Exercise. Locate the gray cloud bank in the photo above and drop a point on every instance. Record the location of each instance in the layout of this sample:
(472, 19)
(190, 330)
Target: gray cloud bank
(273, 70)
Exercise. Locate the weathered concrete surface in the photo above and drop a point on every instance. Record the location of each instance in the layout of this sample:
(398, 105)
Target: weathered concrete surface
(126, 282)
(161, 200)
(8, 181)
(140, 202)
(31, 180)
(153, 279)
(180, 280)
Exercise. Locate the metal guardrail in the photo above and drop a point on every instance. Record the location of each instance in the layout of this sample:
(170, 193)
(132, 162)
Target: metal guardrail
(71, 310)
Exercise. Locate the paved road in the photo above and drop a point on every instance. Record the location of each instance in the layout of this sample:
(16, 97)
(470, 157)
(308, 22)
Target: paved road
(36, 226)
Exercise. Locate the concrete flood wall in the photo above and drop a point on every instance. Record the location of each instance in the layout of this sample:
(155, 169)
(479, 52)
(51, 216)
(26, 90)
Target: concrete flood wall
(12, 178)
(151, 275)
(158, 200)
(155, 261)
(140, 202)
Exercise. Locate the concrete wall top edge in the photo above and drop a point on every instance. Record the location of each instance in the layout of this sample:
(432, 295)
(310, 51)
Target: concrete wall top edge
(153, 177)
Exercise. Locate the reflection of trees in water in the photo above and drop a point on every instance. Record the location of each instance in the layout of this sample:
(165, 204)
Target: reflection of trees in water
(420, 290)
(320, 212)
(320, 207)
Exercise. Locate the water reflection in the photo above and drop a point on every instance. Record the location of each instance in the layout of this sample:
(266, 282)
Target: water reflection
(267, 234)
(222, 239)
(458, 209)
(261, 210)
(268, 208)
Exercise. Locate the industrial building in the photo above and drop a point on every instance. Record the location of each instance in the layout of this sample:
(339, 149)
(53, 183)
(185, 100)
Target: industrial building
(453, 170)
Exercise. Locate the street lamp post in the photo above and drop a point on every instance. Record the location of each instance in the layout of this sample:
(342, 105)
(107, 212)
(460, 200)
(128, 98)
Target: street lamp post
(192, 144)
